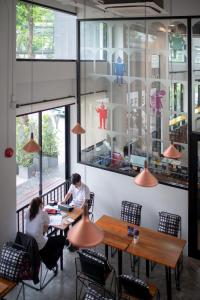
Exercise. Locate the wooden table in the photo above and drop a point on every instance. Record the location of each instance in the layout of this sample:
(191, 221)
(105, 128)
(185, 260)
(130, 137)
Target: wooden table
(75, 214)
(160, 248)
(152, 246)
(115, 235)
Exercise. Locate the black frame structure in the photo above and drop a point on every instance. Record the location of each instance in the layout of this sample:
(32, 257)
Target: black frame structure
(193, 137)
(52, 8)
(67, 143)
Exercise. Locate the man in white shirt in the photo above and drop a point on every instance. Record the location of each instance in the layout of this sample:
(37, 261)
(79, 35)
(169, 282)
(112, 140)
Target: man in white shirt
(79, 192)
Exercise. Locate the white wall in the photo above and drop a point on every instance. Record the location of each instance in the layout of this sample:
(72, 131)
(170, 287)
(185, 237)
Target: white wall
(111, 188)
(185, 7)
(50, 80)
(7, 124)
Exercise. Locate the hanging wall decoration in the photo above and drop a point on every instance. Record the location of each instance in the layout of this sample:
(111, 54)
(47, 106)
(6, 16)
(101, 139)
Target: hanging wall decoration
(103, 115)
(119, 70)
(156, 101)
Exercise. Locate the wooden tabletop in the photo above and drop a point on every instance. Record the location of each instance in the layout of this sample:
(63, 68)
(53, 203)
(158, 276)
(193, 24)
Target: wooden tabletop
(74, 214)
(6, 286)
(158, 247)
(155, 246)
(115, 232)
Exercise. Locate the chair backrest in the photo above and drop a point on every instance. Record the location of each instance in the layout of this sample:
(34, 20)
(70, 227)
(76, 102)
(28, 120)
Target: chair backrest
(131, 212)
(32, 261)
(94, 295)
(94, 265)
(169, 223)
(90, 202)
(134, 287)
(11, 260)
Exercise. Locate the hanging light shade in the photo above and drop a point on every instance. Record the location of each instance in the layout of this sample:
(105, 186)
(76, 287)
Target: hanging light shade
(85, 234)
(77, 129)
(32, 146)
(145, 178)
(172, 152)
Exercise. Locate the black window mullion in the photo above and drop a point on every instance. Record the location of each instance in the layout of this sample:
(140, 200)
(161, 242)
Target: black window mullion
(67, 143)
(40, 153)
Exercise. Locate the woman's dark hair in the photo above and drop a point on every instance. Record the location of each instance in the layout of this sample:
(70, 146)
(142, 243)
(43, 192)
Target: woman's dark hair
(34, 207)
(75, 178)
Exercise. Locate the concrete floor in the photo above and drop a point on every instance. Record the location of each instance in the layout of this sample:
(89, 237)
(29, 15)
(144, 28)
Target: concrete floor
(63, 285)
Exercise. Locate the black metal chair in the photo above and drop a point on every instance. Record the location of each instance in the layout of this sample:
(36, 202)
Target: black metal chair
(130, 287)
(91, 294)
(34, 269)
(171, 224)
(93, 269)
(90, 203)
(131, 213)
(11, 264)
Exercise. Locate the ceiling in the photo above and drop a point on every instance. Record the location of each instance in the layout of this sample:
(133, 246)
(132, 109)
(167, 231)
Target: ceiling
(92, 11)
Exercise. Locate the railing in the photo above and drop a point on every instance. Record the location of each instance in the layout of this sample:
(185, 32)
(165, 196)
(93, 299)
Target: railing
(57, 194)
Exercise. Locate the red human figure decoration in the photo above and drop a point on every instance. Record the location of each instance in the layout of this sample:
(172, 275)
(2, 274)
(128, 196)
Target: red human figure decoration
(103, 114)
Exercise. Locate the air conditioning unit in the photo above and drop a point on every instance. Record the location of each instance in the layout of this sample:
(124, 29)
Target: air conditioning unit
(132, 8)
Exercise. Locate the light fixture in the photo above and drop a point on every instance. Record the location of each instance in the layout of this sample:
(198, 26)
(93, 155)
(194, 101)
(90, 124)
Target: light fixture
(31, 146)
(172, 152)
(145, 178)
(77, 129)
(85, 234)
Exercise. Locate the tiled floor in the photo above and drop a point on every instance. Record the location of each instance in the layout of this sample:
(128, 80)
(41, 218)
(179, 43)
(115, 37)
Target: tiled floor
(63, 285)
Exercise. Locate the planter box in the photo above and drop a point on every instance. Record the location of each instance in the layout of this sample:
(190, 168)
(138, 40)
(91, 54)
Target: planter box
(27, 172)
(17, 169)
(52, 161)
(36, 162)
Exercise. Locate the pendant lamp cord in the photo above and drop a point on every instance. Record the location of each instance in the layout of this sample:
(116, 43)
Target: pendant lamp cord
(9, 28)
(145, 96)
(171, 92)
(31, 90)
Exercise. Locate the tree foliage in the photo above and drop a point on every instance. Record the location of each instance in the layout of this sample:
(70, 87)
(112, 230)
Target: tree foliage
(34, 29)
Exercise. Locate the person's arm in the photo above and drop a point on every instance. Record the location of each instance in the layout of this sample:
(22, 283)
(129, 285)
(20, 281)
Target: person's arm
(87, 196)
(68, 195)
(46, 221)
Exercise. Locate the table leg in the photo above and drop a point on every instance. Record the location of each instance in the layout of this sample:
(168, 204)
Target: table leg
(61, 257)
(147, 268)
(106, 251)
(168, 283)
(119, 262)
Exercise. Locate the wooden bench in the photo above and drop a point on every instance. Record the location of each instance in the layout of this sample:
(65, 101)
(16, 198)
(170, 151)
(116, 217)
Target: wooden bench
(6, 286)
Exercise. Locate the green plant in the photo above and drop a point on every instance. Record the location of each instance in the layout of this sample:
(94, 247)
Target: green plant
(49, 137)
(23, 131)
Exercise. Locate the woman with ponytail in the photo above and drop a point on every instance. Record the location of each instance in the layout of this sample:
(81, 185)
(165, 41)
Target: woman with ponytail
(36, 225)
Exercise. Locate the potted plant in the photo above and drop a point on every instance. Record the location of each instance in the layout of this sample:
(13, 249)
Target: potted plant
(24, 160)
(49, 141)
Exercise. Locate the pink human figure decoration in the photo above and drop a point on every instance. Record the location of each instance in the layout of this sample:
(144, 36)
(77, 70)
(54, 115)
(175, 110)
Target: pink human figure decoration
(103, 114)
(156, 101)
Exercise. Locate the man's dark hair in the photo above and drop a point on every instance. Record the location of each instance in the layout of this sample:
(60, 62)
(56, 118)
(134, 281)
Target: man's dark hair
(75, 178)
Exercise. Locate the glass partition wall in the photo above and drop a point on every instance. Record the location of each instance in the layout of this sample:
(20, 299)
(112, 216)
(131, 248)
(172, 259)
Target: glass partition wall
(134, 86)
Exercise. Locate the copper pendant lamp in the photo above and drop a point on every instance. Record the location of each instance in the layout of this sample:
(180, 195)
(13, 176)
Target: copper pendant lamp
(32, 146)
(145, 178)
(172, 152)
(77, 129)
(85, 234)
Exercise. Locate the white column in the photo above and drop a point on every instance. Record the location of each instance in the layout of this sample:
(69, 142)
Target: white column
(7, 121)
